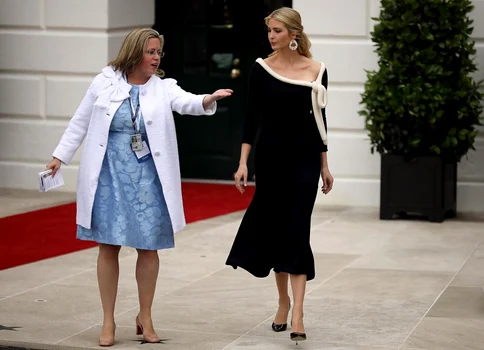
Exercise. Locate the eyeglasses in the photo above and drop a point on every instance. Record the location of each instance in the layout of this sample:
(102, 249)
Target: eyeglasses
(155, 52)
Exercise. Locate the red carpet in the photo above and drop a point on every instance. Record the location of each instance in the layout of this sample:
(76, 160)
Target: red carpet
(47, 233)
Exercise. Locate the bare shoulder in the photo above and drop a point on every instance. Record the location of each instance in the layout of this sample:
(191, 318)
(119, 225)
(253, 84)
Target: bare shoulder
(314, 66)
(270, 60)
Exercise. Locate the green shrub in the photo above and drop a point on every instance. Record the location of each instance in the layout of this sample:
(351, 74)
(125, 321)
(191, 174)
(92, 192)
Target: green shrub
(422, 100)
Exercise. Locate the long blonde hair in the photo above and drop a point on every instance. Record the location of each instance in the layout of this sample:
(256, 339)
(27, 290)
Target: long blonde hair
(292, 20)
(133, 49)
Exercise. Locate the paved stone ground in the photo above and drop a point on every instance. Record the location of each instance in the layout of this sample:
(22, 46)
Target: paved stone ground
(380, 285)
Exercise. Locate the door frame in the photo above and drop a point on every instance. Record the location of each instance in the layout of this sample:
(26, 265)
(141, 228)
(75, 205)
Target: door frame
(256, 42)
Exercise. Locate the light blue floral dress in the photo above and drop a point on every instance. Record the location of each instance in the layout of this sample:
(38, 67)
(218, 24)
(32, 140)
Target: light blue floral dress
(129, 206)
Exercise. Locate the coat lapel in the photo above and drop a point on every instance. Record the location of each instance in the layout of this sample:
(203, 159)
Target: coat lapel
(148, 97)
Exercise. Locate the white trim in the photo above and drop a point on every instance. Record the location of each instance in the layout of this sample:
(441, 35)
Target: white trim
(288, 80)
(319, 95)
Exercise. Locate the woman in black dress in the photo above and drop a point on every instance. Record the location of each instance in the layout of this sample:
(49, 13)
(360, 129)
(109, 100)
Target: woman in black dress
(286, 106)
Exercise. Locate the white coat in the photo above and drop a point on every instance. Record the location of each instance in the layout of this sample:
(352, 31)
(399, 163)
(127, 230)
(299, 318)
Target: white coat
(158, 98)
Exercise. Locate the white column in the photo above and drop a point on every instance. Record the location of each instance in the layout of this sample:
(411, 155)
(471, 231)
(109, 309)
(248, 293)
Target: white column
(340, 36)
(50, 52)
(470, 193)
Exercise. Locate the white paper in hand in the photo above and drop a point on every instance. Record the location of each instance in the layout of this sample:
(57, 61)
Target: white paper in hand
(47, 182)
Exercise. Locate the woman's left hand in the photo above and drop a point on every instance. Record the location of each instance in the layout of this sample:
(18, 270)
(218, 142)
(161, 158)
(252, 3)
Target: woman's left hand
(220, 94)
(217, 95)
(327, 180)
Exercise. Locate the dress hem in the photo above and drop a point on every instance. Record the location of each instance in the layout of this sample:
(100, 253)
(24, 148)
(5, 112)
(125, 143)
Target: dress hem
(276, 270)
(124, 245)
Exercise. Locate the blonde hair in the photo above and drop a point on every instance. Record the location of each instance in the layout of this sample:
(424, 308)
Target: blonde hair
(133, 49)
(292, 20)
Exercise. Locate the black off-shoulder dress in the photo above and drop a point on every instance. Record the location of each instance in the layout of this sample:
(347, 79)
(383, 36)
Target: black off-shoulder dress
(288, 117)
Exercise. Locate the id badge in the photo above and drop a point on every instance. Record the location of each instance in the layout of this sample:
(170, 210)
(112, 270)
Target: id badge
(144, 153)
(136, 142)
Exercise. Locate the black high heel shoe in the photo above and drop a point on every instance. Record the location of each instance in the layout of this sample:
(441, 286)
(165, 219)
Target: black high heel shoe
(279, 327)
(298, 336)
(283, 326)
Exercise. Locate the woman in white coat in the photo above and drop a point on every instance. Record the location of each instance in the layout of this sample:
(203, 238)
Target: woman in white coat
(129, 186)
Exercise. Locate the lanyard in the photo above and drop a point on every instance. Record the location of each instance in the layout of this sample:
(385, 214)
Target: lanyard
(134, 115)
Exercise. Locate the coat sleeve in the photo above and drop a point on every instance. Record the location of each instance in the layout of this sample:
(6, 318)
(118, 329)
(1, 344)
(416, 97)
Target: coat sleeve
(76, 129)
(184, 102)
(253, 106)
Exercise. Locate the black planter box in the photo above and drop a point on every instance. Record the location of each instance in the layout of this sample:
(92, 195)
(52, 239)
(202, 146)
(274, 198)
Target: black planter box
(423, 185)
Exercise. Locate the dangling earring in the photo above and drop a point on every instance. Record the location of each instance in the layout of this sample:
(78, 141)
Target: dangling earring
(293, 45)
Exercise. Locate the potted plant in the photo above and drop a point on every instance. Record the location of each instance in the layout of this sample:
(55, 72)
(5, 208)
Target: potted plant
(422, 105)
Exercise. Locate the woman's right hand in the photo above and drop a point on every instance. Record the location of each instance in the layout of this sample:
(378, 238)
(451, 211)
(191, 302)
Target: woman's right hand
(240, 178)
(54, 165)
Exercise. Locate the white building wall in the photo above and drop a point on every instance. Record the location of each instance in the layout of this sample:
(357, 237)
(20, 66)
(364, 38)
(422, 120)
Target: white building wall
(340, 36)
(50, 50)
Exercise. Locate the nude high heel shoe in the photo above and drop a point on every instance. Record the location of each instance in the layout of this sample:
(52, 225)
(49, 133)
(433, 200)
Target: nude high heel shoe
(107, 340)
(139, 331)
